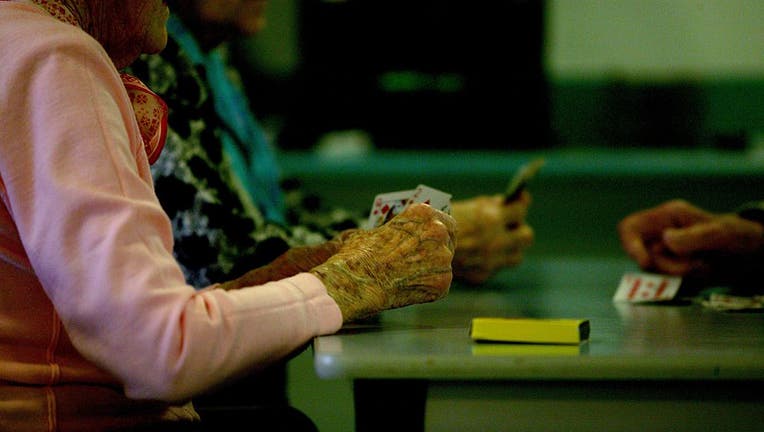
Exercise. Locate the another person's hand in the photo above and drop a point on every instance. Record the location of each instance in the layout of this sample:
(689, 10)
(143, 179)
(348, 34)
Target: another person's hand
(403, 262)
(293, 261)
(491, 234)
(679, 238)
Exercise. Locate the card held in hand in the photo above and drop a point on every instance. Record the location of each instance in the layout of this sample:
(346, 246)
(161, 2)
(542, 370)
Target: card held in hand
(388, 205)
(521, 178)
(433, 197)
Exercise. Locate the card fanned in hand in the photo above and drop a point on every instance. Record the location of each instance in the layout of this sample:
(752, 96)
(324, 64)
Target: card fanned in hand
(530, 330)
(388, 205)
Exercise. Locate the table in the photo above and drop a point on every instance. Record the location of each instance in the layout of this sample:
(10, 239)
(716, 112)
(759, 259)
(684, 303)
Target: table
(645, 367)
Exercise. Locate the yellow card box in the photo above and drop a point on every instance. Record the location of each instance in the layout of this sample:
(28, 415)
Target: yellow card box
(530, 330)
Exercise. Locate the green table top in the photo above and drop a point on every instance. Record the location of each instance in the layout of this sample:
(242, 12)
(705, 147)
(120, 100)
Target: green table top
(683, 341)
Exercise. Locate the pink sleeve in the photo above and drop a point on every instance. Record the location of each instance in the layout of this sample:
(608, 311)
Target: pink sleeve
(79, 190)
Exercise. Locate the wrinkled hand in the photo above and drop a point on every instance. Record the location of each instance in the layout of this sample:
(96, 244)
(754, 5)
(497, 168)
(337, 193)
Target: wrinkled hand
(681, 239)
(491, 235)
(293, 261)
(403, 262)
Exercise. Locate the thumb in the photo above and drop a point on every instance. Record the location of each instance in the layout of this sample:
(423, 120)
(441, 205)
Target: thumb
(701, 237)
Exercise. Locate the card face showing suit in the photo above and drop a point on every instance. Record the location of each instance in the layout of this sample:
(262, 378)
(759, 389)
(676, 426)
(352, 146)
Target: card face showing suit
(388, 205)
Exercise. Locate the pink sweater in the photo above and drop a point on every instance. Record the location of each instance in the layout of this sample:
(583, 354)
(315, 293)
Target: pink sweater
(95, 315)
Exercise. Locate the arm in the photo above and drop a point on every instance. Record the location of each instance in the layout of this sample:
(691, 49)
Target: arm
(97, 238)
(293, 261)
(406, 261)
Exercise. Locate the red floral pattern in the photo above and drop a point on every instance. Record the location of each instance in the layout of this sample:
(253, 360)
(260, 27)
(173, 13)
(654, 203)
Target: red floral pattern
(151, 113)
(59, 11)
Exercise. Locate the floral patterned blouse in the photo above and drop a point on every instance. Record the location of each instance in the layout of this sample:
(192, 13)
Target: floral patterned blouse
(219, 231)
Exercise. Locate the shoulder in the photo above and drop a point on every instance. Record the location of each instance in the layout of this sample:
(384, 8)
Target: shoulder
(44, 49)
(65, 78)
(27, 30)
(47, 52)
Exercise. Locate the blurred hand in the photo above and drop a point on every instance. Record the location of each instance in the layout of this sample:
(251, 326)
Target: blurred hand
(246, 16)
(491, 235)
(681, 239)
(403, 262)
(293, 261)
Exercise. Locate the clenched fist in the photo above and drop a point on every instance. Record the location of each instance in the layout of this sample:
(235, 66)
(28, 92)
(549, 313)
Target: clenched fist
(492, 235)
(406, 261)
(679, 238)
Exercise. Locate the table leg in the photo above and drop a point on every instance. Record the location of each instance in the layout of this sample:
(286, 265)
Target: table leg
(389, 405)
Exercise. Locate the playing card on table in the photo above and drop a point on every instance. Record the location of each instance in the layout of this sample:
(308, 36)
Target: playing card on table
(647, 287)
(728, 302)
(388, 205)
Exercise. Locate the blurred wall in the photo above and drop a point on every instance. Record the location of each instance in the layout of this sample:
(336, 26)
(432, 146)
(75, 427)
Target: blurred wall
(655, 39)
(657, 73)
(644, 39)
(621, 73)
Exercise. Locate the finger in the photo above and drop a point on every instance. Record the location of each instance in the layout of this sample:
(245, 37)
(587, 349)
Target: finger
(680, 213)
(512, 241)
(506, 251)
(648, 226)
(514, 259)
(451, 243)
(724, 234)
(679, 266)
(450, 226)
(424, 212)
(651, 223)
(701, 237)
(671, 265)
(633, 243)
(507, 259)
(515, 212)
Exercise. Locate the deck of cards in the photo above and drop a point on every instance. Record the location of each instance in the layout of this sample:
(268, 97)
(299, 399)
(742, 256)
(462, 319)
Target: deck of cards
(388, 205)
(637, 287)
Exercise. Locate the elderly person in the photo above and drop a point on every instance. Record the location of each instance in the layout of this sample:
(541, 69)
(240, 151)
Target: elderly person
(682, 239)
(218, 181)
(99, 328)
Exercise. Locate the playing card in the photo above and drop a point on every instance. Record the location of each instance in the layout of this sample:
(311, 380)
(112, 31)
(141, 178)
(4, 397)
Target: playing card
(647, 287)
(388, 205)
(433, 197)
(522, 176)
(384, 203)
(728, 302)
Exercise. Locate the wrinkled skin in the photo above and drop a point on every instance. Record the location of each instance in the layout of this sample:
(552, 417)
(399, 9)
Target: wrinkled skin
(293, 261)
(679, 238)
(404, 262)
(492, 235)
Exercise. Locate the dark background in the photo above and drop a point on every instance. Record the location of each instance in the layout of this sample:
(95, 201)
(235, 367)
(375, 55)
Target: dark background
(447, 75)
